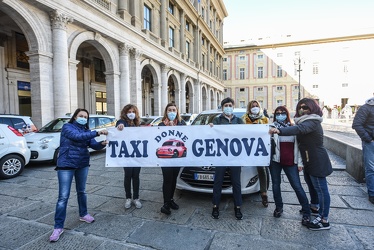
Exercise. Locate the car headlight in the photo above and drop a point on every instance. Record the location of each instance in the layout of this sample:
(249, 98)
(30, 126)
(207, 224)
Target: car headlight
(43, 142)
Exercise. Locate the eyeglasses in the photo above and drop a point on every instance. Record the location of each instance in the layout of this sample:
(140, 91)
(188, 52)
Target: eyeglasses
(304, 107)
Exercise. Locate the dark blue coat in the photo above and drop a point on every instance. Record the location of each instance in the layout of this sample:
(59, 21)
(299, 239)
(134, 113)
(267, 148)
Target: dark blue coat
(74, 142)
(309, 134)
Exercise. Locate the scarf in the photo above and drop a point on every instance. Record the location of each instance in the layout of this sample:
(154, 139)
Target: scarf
(279, 125)
(253, 117)
(307, 117)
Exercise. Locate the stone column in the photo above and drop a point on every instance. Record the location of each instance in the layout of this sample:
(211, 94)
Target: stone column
(60, 63)
(42, 91)
(123, 9)
(197, 46)
(197, 97)
(136, 10)
(73, 84)
(182, 34)
(87, 95)
(183, 93)
(3, 93)
(163, 28)
(208, 55)
(136, 79)
(124, 66)
(112, 86)
(164, 86)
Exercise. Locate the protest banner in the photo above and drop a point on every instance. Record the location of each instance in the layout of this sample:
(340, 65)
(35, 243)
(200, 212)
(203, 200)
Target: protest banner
(170, 146)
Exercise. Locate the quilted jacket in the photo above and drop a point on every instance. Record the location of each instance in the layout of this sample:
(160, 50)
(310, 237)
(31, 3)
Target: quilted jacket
(74, 142)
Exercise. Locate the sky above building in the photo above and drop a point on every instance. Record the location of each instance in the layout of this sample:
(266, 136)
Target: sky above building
(296, 19)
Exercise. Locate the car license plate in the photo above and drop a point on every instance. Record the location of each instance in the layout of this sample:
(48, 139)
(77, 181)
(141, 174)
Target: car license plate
(204, 177)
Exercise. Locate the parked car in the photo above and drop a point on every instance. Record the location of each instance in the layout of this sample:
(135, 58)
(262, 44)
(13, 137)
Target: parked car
(45, 143)
(172, 149)
(188, 117)
(146, 121)
(201, 179)
(14, 153)
(23, 124)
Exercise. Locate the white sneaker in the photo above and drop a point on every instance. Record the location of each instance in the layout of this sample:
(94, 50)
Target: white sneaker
(137, 203)
(128, 203)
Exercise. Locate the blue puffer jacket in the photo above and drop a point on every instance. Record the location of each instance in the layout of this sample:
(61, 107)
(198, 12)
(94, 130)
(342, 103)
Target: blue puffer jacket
(74, 142)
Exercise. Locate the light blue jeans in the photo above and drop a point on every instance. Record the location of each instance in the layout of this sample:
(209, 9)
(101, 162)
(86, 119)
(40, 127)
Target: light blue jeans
(368, 153)
(65, 178)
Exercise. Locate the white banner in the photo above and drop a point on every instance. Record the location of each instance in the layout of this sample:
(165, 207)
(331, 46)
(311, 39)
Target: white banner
(170, 146)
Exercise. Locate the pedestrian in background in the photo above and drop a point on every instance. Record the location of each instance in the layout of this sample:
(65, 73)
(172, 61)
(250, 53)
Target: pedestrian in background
(363, 123)
(226, 118)
(317, 165)
(254, 115)
(171, 118)
(286, 157)
(74, 161)
(130, 118)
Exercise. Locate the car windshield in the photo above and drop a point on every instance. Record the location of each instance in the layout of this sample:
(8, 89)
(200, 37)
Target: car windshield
(54, 126)
(168, 143)
(145, 121)
(204, 119)
(186, 118)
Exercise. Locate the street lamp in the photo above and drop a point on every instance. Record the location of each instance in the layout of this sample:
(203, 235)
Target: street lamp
(297, 62)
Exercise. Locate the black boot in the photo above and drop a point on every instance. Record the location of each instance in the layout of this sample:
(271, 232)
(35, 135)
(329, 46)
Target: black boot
(215, 212)
(238, 214)
(166, 209)
(173, 205)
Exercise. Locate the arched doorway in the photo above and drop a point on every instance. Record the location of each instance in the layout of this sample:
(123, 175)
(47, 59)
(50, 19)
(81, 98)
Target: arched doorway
(148, 93)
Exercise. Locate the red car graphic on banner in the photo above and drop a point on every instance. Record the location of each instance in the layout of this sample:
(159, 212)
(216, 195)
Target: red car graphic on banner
(172, 149)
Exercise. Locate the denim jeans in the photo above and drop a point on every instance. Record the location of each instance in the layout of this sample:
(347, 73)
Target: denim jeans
(314, 200)
(292, 174)
(320, 185)
(132, 175)
(368, 153)
(65, 178)
(235, 181)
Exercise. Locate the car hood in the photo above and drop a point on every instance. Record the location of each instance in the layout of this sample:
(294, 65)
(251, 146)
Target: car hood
(31, 137)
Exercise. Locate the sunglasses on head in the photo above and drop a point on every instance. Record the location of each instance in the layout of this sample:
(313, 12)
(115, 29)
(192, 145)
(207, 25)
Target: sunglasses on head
(304, 107)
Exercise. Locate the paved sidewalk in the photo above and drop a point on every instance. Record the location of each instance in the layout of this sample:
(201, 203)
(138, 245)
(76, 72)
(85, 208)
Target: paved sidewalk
(27, 210)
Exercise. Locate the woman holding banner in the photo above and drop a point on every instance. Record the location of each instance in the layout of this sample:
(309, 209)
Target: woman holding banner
(226, 118)
(286, 156)
(317, 165)
(254, 115)
(170, 174)
(130, 118)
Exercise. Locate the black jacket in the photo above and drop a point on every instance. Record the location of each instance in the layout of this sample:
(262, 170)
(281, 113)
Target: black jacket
(364, 121)
(309, 135)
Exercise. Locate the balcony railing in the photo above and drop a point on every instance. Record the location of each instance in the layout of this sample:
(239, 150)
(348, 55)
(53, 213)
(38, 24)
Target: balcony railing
(104, 3)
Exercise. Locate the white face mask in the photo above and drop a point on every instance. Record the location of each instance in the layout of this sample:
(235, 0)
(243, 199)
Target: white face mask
(131, 116)
(255, 110)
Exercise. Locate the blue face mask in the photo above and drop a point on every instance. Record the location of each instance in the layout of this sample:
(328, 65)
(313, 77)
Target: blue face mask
(281, 117)
(172, 115)
(81, 120)
(228, 110)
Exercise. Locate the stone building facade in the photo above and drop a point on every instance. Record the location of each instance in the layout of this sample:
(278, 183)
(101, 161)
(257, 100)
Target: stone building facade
(57, 55)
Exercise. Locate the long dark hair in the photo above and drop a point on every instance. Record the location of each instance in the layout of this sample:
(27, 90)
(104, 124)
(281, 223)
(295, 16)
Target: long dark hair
(172, 104)
(314, 108)
(72, 119)
(124, 112)
(283, 109)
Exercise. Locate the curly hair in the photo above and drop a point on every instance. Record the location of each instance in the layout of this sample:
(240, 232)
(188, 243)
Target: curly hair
(124, 112)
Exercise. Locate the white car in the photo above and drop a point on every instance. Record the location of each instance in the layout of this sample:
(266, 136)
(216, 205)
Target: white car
(188, 118)
(14, 153)
(201, 179)
(45, 143)
(146, 121)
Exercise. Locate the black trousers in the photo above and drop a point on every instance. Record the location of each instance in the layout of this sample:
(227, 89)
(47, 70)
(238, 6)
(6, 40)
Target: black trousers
(235, 181)
(132, 174)
(170, 175)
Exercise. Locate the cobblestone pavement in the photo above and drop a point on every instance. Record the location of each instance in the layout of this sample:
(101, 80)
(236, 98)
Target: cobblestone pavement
(28, 202)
